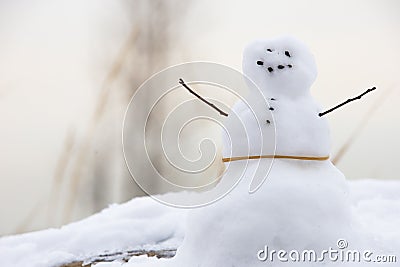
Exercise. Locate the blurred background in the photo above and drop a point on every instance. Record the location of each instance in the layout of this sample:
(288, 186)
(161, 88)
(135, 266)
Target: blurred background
(69, 68)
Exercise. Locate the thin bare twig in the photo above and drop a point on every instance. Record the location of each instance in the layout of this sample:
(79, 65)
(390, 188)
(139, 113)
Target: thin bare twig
(363, 123)
(202, 99)
(346, 102)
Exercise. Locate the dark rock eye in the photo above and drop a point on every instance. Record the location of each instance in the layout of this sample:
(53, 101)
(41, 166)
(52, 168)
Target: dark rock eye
(281, 67)
(289, 66)
(287, 53)
(269, 50)
(260, 63)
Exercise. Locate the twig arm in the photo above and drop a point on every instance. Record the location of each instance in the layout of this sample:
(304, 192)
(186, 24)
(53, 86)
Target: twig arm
(202, 99)
(346, 102)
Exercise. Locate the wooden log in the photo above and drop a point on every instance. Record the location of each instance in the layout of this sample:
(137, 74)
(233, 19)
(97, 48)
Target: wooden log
(122, 256)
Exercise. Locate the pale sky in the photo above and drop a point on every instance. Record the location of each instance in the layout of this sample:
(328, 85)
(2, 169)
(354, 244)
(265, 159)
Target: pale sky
(54, 55)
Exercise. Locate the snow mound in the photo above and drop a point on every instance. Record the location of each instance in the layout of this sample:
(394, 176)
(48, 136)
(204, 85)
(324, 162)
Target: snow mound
(143, 222)
(139, 223)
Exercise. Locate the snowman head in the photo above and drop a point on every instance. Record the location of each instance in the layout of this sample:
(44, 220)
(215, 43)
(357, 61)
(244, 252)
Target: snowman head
(283, 65)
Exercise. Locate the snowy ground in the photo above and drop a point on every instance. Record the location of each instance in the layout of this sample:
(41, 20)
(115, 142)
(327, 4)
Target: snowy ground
(143, 223)
(139, 223)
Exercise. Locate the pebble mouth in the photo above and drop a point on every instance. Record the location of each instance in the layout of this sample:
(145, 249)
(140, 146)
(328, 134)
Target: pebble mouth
(281, 67)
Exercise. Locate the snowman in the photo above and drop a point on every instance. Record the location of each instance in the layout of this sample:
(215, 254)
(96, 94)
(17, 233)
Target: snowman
(278, 140)
(302, 204)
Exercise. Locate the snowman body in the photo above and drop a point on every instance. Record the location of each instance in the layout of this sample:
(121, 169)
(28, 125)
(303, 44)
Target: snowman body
(301, 206)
